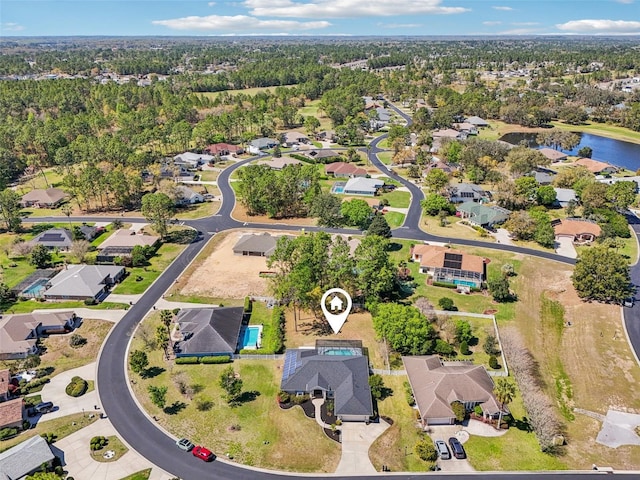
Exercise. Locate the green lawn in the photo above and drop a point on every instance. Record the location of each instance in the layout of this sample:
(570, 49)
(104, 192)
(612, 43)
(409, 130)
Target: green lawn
(114, 444)
(27, 306)
(602, 129)
(385, 157)
(198, 210)
(141, 475)
(140, 278)
(398, 199)
(394, 219)
(61, 427)
(209, 175)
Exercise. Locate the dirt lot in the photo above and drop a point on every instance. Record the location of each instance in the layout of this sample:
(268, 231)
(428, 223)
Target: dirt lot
(225, 275)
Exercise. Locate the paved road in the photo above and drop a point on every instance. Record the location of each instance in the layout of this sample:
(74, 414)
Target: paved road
(632, 315)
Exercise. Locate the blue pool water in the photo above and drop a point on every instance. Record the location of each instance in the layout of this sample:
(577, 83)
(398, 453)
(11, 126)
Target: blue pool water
(340, 351)
(464, 283)
(36, 288)
(250, 337)
(338, 189)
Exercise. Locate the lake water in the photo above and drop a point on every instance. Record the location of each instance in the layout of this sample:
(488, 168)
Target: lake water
(616, 152)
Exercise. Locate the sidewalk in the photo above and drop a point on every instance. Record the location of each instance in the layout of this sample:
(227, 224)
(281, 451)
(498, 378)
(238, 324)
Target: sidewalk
(109, 315)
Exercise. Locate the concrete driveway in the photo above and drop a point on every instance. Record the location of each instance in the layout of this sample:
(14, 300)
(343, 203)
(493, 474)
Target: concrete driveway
(54, 391)
(564, 247)
(357, 437)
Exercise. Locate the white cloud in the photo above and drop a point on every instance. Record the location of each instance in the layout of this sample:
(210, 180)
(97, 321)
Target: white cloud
(347, 8)
(211, 4)
(237, 23)
(400, 25)
(600, 26)
(491, 23)
(504, 9)
(626, 2)
(11, 27)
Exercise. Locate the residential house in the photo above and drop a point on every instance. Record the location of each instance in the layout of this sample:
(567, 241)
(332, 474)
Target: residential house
(596, 167)
(363, 186)
(465, 192)
(543, 177)
(321, 155)
(436, 385)
(450, 266)
(344, 170)
(326, 136)
(121, 244)
(11, 409)
(381, 118)
(578, 229)
(54, 238)
(259, 144)
(477, 121)
(481, 215)
(19, 333)
(280, 163)
(448, 133)
(370, 103)
(25, 458)
(83, 282)
(192, 160)
(320, 372)
(222, 149)
(252, 245)
(565, 196)
(208, 331)
(466, 127)
(553, 155)
(294, 138)
(187, 196)
(612, 180)
(169, 170)
(49, 198)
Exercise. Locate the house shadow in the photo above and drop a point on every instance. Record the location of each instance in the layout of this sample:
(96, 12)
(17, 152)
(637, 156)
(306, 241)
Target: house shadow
(58, 453)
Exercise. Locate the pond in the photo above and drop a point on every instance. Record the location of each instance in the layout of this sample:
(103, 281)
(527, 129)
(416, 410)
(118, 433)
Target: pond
(616, 152)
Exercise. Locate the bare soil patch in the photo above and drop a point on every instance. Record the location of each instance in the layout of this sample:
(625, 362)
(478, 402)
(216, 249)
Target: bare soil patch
(222, 274)
(240, 214)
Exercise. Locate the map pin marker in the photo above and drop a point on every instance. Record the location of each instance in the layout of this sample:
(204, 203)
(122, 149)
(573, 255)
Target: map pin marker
(338, 312)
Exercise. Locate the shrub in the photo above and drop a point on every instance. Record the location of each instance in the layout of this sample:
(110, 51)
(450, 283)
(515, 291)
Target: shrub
(490, 345)
(284, 397)
(97, 443)
(176, 311)
(444, 285)
(458, 410)
(425, 450)
(90, 301)
(409, 394)
(216, 359)
(477, 410)
(493, 362)
(464, 348)
(247, 304)
(35, 383)
(50, 437)
(77, 387)
(203, 403)
(298, 399)
(445, 303)
(26, 425)
(8, 433)
(186, 360)
(77, 341)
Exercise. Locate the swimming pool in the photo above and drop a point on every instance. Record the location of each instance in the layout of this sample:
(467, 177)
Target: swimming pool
(36, 288)
(340, 351)
(251, 338)
(338, 187)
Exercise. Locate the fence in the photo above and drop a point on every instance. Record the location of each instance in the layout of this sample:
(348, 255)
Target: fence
(257, 357)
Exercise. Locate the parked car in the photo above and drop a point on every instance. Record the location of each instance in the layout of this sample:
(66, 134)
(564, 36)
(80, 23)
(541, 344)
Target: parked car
(185, 444)
(44, 407)
(628, 302)
(443, 450)
(456, 448)
(202, 453)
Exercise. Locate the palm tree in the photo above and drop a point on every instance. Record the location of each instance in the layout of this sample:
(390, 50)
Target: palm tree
(504, 391)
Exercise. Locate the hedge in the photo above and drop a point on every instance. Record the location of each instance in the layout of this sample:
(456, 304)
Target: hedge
(77, 387)
(247, 305)
(8, 433)
(35, 383)
(204, 360)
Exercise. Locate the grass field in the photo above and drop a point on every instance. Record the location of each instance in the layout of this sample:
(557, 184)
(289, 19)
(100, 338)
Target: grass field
(200, 210)
(115, 445)
(140, 278)
(28, 306)
(61, 427)
(141, 475)
(385, 157)
(245, 91)
(257, 432)
(394, 219)
(397, 199)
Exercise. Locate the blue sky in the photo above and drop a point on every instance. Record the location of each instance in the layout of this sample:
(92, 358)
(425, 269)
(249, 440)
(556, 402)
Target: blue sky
(319, 17)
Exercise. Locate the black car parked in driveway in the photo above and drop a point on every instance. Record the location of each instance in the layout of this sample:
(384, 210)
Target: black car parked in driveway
(456, 448)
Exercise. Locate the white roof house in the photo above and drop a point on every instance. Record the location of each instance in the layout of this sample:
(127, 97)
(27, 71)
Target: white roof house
(193, 159)
(25, 458)
(362, 186)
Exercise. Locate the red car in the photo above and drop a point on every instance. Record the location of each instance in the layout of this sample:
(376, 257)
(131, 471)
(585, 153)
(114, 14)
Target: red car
(202, 453)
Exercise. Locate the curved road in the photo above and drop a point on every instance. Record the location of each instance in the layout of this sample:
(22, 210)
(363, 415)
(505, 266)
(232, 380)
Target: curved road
(143, 434)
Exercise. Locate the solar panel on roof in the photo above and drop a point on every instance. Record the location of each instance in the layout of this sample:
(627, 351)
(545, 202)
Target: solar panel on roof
(291, 364)
(52, 237)
(453, 260)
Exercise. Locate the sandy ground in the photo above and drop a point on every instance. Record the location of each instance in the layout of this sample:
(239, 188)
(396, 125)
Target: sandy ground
(225, 275)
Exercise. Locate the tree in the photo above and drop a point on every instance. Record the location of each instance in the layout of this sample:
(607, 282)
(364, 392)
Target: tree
(405, 329)
(445, 303)
(546, 195)
(490, 345)
(434, 203)
(311, 124)
(602, 275)
(499, 288)
(356, 212)
(436, 180)
(158, 395)
(10, 209)
(326, 208)
(505, 392)
(376, 274)
(5, 293)
(79, 249)
(43, 476)
(523, 160)
(231, 384)
(621, 194)
(585, 152)
(158, 209)
(464, 332)
(138, 361)
(40, 256)
(162, 339)
(521, 225)
(377, 386)
(594, 196)
(458, 410)
(379, 226)
(426, 450)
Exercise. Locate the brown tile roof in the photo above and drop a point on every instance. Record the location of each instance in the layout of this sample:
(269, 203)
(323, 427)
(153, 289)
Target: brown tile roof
(577, 227)
(10, 412)
(4, 382)
(344, 168)
(553, 155)
(435, 386)
(594, 166)
(49, 196)
(216, 148)
(433, 256)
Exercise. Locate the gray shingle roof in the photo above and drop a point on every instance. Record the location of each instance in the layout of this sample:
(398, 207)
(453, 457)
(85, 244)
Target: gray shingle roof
(209, 331)
(24, 458)
(264, 244)
(54, 238)
(347, 376)
(81, 280)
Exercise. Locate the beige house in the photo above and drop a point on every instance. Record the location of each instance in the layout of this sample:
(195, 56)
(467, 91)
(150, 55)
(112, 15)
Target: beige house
(19, 333)
(11, 409)
(580, 231)
(447, 265)
(437, 384)
(49, 198)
